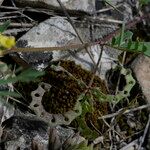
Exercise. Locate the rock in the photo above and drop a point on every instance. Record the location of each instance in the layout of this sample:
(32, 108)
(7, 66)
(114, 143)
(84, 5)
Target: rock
(146, 22)
(141, 68)
(6, 110)
(19, 131)
(12, 145)
(125, 7)
(52, 32)
(25, 130)
(58, 32)
(75, 5)
(1, 1)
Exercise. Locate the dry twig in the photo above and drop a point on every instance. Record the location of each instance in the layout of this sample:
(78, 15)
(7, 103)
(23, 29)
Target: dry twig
(69, 19)
(144, 135)
(125, 112)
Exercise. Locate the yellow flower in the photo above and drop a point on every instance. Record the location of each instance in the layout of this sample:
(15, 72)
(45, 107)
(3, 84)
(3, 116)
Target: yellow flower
(6, 41)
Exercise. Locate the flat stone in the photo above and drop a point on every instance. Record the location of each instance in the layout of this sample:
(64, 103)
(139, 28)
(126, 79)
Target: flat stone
(82, 5)
(20, 131)
(141, 68)
(1, 1)
(52, 32)
(58, 32)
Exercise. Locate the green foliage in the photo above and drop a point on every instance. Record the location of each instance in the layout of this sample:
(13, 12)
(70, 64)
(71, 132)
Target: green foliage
(29, 75)
(126, 36)
(6, 93)
(121, 42)
(24, 76)
(144, 2)
(81, 146)
(8, 77)
(130, 46)
(86, 107)
(4, 26)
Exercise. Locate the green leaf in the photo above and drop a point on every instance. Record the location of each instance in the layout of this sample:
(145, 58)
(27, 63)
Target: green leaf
(4, 26)
(146, 48)
(29, 75)
(25, 76)
(99, 94)
(8, 80)
(126, 37)
(6, 93)
(144, 2)
(113, 42)
(87, 107)
(137, 47)
(84, 129)
(129, 44)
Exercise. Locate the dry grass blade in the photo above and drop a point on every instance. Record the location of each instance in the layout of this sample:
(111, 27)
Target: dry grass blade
(121, 111)
(131, 145)
(26, 25)
(144, 135)
(15, 31)
(71, 22)
(96, 67)
(1, 116)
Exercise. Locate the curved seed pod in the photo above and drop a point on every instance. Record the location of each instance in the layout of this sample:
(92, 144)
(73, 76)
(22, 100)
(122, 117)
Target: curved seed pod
(53, 119)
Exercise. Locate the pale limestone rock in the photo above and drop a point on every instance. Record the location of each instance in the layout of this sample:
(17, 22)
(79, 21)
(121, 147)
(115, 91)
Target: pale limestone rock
(58, 32)
(81, 5)
(141, 68)
(1, 1)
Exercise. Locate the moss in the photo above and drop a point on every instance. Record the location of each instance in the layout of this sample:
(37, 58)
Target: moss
(65, 89)
(63, 93)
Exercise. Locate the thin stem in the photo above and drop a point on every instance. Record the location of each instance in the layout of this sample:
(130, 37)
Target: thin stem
(124, 55)
(96, 67)
(69, 19)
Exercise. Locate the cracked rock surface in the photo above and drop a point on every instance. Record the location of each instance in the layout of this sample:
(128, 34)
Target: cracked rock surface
(82, 5)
